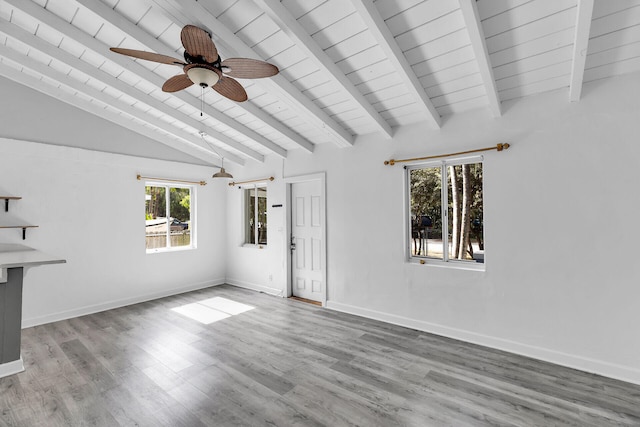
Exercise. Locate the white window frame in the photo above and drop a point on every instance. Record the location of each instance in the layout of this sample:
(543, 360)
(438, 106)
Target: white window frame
(192, 217)
(445, 261)
(245, 207)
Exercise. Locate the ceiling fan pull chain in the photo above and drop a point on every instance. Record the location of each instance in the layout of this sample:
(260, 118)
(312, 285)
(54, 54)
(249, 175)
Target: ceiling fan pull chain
(201, 100)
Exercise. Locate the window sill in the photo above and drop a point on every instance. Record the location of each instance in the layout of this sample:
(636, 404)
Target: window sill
(169, 250)
(469, 266)
(251, 245)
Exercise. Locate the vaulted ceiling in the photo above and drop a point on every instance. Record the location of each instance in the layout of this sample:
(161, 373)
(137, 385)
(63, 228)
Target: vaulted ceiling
(347, 67)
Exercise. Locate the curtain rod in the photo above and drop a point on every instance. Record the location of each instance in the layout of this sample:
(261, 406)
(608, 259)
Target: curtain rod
(232, 183)
(171, 180)
(498, 147)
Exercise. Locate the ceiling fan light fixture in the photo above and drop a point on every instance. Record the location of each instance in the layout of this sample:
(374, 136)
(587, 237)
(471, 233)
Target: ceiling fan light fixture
(204, 77)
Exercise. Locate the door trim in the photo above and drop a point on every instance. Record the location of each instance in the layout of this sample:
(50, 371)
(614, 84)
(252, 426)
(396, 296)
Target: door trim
(321, 177)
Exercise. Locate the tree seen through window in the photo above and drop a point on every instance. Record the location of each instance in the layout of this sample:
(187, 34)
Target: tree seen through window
(167, 225)
(455, 232)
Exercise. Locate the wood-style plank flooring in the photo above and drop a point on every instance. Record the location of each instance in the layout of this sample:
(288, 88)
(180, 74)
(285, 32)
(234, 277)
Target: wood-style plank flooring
(287, 363)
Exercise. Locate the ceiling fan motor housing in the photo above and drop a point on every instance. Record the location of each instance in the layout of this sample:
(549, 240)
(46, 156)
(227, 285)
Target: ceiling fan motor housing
(190, 59)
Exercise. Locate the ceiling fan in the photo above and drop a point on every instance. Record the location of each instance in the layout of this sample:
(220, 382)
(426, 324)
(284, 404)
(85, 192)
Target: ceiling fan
(202, 66)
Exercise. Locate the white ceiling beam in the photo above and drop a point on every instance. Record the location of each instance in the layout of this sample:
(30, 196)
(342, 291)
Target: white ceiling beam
(193, 12)
(137, 33)
(478, 43)
(129, 64)
(278, 126)
(580, 47)
(369, 13)
(288, 23)
(106, 114)
(66, 58)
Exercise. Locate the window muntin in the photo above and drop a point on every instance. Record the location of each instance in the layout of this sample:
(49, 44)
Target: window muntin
(446, 211)
(255, 215)
(168, 225)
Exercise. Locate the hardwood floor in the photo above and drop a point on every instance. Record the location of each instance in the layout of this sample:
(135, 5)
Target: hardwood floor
(287, 363)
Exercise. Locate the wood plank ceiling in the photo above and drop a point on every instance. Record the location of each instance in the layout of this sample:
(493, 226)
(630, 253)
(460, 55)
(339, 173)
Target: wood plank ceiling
(347, 67)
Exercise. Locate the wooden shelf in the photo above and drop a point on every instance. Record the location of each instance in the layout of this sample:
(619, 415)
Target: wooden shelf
(8, 222)
(6, 201)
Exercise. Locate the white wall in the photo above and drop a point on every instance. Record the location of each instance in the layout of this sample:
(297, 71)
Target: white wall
(90, 211)
(561, 228)
(250, 266)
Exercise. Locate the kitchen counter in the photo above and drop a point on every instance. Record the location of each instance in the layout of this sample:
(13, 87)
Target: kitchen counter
(14, 255)
(14, 259)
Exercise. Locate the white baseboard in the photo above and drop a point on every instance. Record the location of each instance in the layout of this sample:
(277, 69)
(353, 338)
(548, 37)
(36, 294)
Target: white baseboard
(11, 368)
(95, 308)
(255, 287)
(619, 372)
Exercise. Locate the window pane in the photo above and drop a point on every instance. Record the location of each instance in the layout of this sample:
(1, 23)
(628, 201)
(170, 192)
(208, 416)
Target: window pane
(426, 212)
(155, 216)
(180, 216)
(262, 215)
(250, 205)
(167, 226)
(465, 212)
(255, 216)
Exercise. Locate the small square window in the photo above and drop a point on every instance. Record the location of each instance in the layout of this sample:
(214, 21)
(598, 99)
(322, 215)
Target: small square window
(446, 211)
(168, 225)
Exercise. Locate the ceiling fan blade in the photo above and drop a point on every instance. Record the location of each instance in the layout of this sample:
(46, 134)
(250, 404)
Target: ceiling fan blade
(246, 68)
(231, 89)
(176, 83)
(149, 56)
(197, 42)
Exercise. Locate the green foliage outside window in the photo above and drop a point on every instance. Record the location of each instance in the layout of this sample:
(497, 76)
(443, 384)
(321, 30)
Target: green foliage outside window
(464, 211)
(170, 227)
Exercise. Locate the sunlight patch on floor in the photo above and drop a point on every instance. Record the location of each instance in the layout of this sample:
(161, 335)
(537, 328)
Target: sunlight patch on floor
(212, 309)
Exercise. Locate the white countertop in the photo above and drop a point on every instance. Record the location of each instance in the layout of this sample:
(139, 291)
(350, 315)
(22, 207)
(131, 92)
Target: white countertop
(14, 255)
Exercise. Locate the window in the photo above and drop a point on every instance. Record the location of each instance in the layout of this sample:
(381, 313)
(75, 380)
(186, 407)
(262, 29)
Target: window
(446, 211)
(255, 215)
(168, 225)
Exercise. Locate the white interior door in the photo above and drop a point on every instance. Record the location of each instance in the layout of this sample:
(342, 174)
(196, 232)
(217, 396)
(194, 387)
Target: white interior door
(307, 219)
